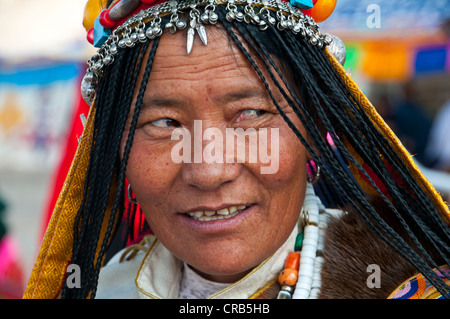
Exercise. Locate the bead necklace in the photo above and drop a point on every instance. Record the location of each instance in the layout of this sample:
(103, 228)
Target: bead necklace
(300, 278)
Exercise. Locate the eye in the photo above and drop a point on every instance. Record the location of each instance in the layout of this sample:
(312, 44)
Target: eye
(250, 114)
(166, 122)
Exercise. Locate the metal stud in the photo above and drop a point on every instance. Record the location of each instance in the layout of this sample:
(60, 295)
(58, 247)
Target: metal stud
(230, 16)
(142, 37)
(113, 49)
(239, 16)
(204, 17)
(149, 33)
(213, 18)
(121, 43)
(181, 24)
(108, 60)
(134, 37)
(263, 25)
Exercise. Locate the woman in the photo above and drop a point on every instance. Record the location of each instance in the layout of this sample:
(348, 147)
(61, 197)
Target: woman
(170, 84)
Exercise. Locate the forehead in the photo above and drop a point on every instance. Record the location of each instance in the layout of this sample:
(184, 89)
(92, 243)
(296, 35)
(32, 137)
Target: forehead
(220, 62)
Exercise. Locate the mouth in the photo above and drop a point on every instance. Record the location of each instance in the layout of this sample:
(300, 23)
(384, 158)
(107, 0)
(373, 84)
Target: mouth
(210, 215)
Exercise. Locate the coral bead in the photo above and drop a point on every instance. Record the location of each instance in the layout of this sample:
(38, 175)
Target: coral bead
(288, 277)
(292, 261)
(105, 20)
(90, 36)
(322, 10)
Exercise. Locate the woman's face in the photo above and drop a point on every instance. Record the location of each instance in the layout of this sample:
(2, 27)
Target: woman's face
(253, 213)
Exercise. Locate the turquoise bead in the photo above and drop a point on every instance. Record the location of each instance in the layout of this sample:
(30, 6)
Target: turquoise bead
(298, 242)
(302, 4)
(101, 34)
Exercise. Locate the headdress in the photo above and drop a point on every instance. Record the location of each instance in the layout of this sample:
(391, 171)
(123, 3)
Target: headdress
(127, 22)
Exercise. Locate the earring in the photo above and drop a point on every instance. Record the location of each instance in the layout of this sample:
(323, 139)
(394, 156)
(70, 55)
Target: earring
(311, 171)
(130, 195)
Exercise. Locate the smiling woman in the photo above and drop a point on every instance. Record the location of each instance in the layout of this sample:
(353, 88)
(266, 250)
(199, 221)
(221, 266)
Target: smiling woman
(222, 228)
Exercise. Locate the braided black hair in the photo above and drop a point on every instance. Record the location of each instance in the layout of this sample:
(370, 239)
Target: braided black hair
(322, 102)
(105, 167)
(319, 103)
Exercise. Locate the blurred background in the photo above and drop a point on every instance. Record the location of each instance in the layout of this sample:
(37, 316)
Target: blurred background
(397, 51)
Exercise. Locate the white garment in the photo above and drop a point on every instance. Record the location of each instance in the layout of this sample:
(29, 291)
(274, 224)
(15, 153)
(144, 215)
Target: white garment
(158, 274)
(194, 286)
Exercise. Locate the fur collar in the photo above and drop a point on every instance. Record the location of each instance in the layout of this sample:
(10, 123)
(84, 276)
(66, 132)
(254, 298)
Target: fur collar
(350, 247)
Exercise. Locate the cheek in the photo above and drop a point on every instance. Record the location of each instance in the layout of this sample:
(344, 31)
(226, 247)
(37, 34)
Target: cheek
(151, 172)
(291, 157)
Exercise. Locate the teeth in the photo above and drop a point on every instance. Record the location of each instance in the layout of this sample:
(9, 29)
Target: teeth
(208, 213)
(220, 214)
(198, 214)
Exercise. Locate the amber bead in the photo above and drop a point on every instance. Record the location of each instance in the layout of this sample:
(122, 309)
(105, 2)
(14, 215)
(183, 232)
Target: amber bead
(322, 10)
(292, 261)
(91, 11)
(288, 277)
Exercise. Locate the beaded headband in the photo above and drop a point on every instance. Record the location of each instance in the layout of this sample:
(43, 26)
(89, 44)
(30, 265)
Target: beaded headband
(127, 22)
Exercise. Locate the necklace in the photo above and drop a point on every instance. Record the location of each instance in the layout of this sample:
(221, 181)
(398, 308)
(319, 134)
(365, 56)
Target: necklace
(300, 278)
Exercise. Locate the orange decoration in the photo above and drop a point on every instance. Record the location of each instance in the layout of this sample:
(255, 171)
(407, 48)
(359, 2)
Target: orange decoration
(322, 10)
(288, 277)
(386, 61)
(91, 11)
(292, 261)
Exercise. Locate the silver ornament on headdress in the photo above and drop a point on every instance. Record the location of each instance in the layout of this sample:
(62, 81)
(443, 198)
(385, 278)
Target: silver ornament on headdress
(146, 25)
(337, 49)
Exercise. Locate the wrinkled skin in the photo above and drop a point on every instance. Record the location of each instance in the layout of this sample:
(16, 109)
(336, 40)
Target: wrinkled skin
(217, 85)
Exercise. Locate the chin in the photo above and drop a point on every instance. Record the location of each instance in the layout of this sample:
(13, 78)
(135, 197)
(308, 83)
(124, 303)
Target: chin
(227, 266)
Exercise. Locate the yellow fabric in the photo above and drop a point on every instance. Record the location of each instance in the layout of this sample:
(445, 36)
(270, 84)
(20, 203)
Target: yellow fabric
(55, 254)
(56, 250)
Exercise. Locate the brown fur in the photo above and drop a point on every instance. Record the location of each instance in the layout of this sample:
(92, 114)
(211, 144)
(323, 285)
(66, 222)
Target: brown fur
(350, 247)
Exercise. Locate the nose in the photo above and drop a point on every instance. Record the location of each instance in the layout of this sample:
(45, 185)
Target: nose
(211, 166)
(209, 176)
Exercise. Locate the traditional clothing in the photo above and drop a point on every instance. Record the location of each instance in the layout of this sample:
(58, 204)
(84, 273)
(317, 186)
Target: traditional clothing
(149, 271)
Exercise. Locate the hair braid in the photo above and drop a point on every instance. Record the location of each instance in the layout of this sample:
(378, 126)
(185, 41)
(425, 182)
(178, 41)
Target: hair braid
(402, 197)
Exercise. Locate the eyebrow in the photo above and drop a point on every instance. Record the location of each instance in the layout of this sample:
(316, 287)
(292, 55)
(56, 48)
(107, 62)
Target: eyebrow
(245, 93)
(232, 96)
